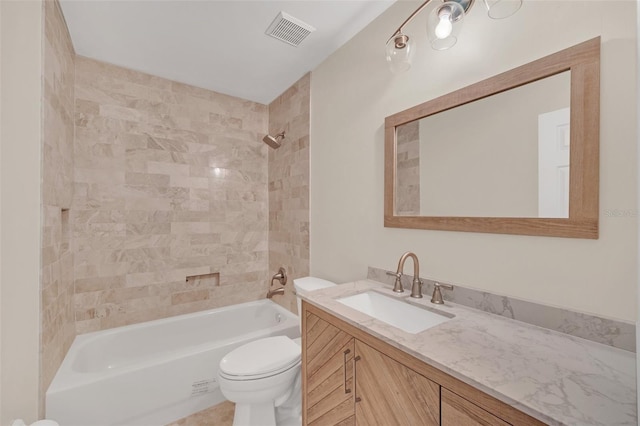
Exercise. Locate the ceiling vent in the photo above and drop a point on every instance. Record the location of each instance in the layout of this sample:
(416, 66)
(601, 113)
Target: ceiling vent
(289, 29)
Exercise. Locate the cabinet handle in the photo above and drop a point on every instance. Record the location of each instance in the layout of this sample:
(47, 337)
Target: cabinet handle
(355, 369)
(348, 351)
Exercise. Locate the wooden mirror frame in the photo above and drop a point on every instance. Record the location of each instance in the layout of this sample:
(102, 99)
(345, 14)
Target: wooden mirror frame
(583, 60)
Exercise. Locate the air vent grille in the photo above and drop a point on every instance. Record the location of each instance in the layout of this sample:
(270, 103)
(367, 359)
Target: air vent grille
(289, 29)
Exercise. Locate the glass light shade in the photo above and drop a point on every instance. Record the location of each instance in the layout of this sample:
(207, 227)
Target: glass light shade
(399, 52)
(444, 25)
(500, 9)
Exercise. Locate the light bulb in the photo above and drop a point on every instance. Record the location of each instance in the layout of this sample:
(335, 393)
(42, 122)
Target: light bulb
(444, 27)
(444, 23)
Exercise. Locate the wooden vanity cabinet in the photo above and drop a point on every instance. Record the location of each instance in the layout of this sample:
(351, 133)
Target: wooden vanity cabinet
(352, 378)
(347, 382)
(327, 367)
(388, 393)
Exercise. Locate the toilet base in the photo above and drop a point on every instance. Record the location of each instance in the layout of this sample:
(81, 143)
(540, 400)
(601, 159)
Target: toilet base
(254, 414)
(266, 415)
(288, 413)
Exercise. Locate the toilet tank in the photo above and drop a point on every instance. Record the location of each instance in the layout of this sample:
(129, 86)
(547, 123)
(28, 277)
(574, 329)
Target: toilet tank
(306, 285)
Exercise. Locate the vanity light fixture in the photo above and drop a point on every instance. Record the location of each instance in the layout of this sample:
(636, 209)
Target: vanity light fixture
(443, 26)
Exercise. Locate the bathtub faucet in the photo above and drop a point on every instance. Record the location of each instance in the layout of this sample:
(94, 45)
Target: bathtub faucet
(281, 277)
(271, 293)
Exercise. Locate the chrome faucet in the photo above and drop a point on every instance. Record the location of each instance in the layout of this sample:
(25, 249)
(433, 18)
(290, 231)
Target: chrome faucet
(416, 287)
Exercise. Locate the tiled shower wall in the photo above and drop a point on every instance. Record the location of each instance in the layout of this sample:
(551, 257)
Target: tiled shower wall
(58, 328)
(170, 182)
(289, 187)
(148, 181)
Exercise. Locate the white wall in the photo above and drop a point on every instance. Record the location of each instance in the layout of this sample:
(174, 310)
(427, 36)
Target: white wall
(638, 216)
(20, 79)
(1, 399)
(495, 152)
(351, 94)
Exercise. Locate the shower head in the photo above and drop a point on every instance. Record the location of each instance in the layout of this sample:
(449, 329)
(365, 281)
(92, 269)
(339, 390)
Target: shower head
(272, 141)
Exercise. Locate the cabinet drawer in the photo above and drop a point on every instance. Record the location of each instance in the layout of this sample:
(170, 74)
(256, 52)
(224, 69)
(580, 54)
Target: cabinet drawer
(457, 411)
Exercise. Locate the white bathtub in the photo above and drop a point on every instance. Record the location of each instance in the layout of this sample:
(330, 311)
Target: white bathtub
(154, 373)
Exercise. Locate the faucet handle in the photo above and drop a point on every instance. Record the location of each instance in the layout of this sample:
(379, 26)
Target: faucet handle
(281, 276)
(394, 274)
(437, 294)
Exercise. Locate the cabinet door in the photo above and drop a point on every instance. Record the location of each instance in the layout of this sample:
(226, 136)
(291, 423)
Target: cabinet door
(457, 411)
(329, 374)
(388, 393)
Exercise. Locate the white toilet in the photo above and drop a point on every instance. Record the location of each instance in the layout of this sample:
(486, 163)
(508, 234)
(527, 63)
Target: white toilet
(263, 376)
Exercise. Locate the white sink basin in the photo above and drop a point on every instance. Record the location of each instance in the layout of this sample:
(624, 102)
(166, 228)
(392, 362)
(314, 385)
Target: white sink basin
(394, 312)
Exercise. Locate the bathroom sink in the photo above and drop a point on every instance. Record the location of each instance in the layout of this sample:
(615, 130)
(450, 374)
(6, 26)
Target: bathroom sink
(395, 312)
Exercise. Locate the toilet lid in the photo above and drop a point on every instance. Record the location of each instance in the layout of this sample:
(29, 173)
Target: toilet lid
(260, 357)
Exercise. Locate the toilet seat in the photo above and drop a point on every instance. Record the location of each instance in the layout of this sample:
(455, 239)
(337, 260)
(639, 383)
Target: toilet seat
(246, 378)
(260, 359)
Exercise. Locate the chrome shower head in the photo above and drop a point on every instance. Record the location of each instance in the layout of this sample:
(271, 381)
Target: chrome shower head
(272, 141)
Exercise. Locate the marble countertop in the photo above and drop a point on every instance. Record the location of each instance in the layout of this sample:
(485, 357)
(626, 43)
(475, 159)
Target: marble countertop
(556, 378)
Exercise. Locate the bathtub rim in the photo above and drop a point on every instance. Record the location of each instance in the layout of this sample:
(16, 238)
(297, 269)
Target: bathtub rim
(73, 378)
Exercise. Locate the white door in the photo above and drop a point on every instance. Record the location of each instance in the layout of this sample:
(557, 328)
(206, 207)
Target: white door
(553, 163)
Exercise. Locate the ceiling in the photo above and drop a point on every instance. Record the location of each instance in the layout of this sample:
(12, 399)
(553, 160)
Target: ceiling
(217, 45)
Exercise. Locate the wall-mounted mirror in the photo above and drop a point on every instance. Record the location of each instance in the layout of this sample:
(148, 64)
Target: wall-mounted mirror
(516, 153)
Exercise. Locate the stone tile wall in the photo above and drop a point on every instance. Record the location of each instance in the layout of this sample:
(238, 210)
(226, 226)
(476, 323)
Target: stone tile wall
(289, 187)
(408, 169)
(170, 182)
(57, 317)
(148, 183)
